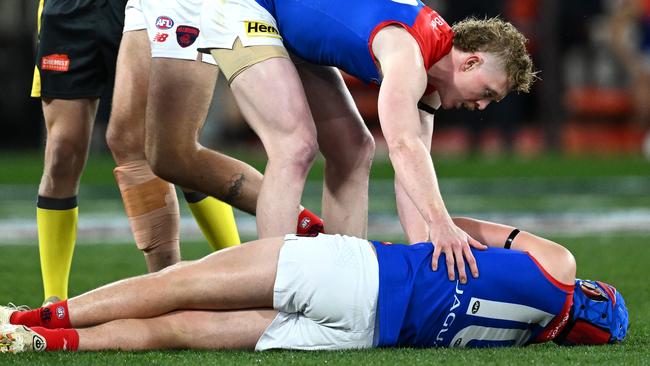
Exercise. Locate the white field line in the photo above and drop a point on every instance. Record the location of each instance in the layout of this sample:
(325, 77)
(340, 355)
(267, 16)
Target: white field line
(115, 228)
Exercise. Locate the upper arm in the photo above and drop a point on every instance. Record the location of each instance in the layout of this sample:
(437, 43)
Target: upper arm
(403, 84)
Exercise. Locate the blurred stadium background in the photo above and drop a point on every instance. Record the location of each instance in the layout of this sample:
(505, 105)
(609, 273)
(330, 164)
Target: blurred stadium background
(567, 161)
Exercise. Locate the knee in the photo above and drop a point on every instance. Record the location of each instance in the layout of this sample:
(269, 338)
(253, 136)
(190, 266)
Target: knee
(298, 153)
(125, 144)
(354, 153)
(168, 161)
(366, 148)
(66, 158)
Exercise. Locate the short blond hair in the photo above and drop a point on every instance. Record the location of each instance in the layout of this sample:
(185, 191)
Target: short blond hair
(493, 35)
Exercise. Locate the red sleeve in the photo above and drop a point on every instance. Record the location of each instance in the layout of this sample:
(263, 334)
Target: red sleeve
(432, 33)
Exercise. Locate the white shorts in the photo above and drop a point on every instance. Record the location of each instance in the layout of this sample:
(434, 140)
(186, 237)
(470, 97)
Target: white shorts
(172, 27)
(326, 291)
(223, 22)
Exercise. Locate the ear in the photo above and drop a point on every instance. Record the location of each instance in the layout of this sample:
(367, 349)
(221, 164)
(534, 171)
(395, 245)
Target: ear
(471, 61)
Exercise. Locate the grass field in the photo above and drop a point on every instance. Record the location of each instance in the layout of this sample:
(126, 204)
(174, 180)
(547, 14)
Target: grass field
(547, 186)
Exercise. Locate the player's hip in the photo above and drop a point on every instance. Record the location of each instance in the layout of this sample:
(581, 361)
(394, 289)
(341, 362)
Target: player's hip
(326, 291)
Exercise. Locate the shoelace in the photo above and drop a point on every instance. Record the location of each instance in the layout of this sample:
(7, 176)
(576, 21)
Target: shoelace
(13, 306)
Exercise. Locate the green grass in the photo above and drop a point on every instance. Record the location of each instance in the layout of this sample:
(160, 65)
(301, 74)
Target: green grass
(547, 185)
(620, 260)
(26, 167)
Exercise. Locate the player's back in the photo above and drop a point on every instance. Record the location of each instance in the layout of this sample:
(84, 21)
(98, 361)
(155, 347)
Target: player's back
(337, 32)
(513, 302)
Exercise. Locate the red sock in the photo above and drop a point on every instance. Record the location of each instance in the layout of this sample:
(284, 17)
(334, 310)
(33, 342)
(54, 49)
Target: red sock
(309, 224)
(59, 339)
(52, 316)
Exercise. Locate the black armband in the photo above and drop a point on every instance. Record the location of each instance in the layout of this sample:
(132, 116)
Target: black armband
(511, 237)
(426, 108)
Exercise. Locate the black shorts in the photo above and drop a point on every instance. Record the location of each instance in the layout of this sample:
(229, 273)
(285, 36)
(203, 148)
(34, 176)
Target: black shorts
(77, 48)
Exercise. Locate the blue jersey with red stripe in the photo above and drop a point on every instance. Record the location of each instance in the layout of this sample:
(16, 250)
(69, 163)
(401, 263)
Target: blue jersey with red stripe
(340, 32)
(513, 302)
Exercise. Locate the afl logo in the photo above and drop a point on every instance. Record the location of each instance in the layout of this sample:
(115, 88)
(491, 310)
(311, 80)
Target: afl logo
(60, 312)
(476, 306)
(164, 22)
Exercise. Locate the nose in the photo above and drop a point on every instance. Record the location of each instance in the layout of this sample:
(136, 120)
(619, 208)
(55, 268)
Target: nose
(482, 104)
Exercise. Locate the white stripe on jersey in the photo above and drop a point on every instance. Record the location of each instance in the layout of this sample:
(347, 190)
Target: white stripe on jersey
(476, 332)
(508, 311)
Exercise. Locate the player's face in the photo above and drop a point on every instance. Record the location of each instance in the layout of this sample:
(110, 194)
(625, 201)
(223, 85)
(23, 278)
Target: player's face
(479, 81)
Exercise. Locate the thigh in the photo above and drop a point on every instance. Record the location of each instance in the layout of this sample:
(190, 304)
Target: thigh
(338, 121)
(180, 92)
(271, 98)
(131, 86)
(69, 122)
(240, 277)
(240, 329)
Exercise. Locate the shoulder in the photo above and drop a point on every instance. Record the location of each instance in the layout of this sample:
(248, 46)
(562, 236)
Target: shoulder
(391, 39)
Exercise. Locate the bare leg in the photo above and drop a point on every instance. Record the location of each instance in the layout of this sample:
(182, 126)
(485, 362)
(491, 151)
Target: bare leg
(150, 202)
(184, 329)
(125, 133)
(69, 126)
(179, 96)
(236, 278)
(346, 144)
(272, 100)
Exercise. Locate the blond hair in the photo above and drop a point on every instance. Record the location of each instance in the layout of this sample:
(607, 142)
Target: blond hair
(501, 38)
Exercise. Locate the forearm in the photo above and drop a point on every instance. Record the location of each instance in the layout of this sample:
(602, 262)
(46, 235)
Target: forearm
(412, 222)
(553, 257)
(415, 173)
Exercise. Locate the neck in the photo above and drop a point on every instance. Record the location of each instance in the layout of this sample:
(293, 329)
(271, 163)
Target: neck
(442, 72)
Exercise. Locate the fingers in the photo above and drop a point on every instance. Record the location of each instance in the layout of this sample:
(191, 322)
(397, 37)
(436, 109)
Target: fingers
(434, 258)
(471, 261)
(449, 257)
(460, 263)
(476, 244)
(455, 258)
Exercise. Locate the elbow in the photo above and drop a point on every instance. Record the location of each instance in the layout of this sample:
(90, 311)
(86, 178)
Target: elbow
(566, 269)
(400, 146)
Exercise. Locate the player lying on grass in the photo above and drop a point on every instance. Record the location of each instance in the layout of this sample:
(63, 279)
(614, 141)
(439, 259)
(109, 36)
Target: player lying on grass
(335, 292)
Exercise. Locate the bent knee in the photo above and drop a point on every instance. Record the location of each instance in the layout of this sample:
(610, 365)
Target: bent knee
(125, 145)
(297, 153)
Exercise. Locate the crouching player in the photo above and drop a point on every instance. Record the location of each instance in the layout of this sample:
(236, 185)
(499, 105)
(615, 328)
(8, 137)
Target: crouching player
(335, 292)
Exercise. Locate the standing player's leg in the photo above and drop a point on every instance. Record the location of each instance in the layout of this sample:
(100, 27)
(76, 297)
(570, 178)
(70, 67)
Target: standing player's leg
(346, 144)
(268, 91)
(179, 96)
(69, 126)
(215, 218)
(75, 59)
(150, 203)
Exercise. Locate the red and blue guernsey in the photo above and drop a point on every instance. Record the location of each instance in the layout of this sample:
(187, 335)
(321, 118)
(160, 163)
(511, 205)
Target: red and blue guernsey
(513, 302)
(339, 32)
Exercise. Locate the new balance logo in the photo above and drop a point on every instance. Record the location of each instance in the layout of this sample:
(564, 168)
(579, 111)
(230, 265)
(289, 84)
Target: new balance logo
(38, 343)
